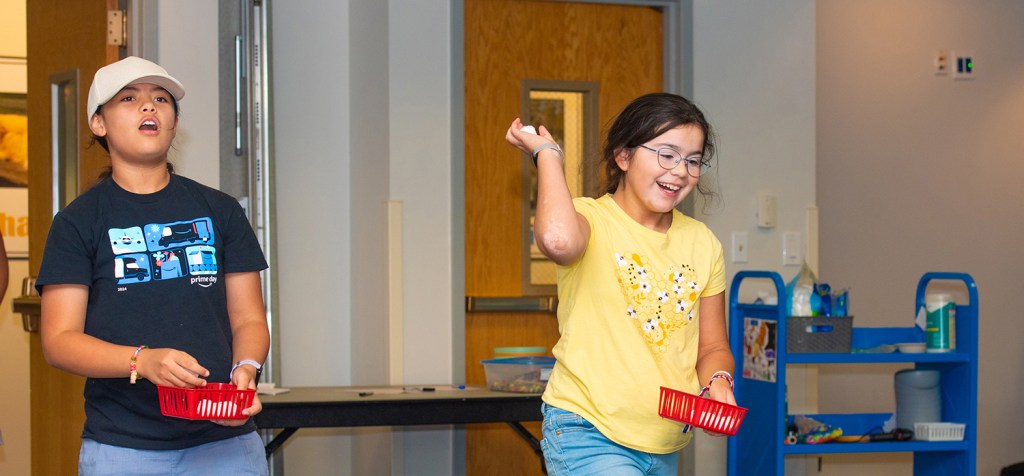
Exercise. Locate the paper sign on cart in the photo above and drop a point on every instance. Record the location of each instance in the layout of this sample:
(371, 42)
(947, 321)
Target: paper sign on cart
(759, 349)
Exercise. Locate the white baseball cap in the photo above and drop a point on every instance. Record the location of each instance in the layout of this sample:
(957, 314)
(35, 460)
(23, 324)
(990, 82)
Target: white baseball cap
(110, 79)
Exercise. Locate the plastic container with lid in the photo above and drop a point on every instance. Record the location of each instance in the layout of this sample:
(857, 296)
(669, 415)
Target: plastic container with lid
(941, 322)
(518, 374)
(503, 352)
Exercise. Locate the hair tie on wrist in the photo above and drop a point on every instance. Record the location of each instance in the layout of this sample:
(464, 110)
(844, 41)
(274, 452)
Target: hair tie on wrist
(548, 145)
(256, 365)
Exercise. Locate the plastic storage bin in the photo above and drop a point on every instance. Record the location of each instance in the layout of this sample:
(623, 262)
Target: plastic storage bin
(216, 401)
(818, 334)
(506, 352)
(518, 374)
(939, 431)
(700, 412)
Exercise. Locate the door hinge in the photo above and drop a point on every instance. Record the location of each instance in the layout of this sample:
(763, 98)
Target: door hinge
(117, 28)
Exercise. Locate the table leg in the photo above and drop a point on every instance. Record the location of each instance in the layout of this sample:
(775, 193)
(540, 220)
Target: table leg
(531, 440)
(279, 440)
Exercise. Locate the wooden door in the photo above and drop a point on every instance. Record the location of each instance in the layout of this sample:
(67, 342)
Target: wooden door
(506, 43)
(62, 37)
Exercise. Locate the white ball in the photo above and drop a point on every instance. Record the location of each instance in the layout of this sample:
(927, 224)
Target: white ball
(529, 130)
(210, 409)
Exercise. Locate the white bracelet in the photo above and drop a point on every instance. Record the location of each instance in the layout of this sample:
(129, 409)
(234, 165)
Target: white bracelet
(722, 374)
(547, 145)
(727, 374)
(259, 368)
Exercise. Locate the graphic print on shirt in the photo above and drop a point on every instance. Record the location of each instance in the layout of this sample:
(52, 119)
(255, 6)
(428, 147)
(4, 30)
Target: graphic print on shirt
(159, 251)
(659, 303)
(133, 268)
(127, 240)
(168, 264)
(202, 259)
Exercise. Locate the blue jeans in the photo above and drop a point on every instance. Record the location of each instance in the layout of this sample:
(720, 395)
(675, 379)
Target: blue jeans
(241, 455)
(572, 446)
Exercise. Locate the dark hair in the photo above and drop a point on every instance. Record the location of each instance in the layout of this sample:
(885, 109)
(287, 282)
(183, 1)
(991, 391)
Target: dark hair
(102, 141)
(645, 118)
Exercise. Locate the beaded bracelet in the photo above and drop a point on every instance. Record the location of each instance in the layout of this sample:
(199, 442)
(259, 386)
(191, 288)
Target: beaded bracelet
(722, 375)
(133, 366)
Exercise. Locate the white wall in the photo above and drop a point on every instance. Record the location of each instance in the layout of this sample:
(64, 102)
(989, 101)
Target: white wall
(369, 149)
(421, 177)
(918, 173)
(311, 94)
(754, 77)
(186, 38)
(356, 112)
(425, 173)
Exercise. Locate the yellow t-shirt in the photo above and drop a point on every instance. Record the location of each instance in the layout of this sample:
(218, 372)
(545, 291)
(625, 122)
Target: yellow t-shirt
(628, 314)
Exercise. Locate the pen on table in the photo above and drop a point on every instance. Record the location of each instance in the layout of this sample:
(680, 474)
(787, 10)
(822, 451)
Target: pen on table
(365, 394)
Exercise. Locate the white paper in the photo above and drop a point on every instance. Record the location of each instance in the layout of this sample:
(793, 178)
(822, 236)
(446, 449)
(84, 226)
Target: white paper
(211, 409)
(922, 318)
(269, 388)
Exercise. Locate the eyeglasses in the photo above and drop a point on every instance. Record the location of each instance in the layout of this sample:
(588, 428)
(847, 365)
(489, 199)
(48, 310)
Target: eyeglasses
(668, 159)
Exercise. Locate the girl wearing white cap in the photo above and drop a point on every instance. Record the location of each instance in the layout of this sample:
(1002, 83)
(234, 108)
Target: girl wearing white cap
(149, 278)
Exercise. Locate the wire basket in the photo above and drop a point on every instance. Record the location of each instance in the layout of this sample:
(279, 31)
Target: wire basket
(215, 401)
(700, 412)
(939, 431)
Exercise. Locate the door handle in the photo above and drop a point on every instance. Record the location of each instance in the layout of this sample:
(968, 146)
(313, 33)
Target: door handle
(30, 322)
(29, 305)
(512, 304)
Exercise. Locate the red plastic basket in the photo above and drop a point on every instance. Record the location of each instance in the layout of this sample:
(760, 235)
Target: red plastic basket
(700, 412)
(215, 401)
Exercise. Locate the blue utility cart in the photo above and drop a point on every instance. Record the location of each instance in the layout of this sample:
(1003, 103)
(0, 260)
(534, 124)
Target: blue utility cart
(758, 448)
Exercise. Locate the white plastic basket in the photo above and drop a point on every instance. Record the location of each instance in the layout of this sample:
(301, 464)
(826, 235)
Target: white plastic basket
(939, 431)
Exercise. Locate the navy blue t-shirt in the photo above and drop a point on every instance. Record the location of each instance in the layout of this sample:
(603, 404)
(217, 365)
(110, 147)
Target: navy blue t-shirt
(155, 267)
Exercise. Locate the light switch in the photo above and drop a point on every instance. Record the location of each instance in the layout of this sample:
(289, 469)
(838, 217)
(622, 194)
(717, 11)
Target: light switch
(766, 210)
(792, 249)
(739, 247)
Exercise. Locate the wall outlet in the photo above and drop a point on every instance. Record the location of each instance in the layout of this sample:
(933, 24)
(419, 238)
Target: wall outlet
(941, 62)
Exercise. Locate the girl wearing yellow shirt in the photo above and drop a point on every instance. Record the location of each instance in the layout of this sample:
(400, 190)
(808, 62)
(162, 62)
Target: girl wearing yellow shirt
(640, 289)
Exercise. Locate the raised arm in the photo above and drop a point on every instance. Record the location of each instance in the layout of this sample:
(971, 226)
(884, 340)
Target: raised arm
(560, 232)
